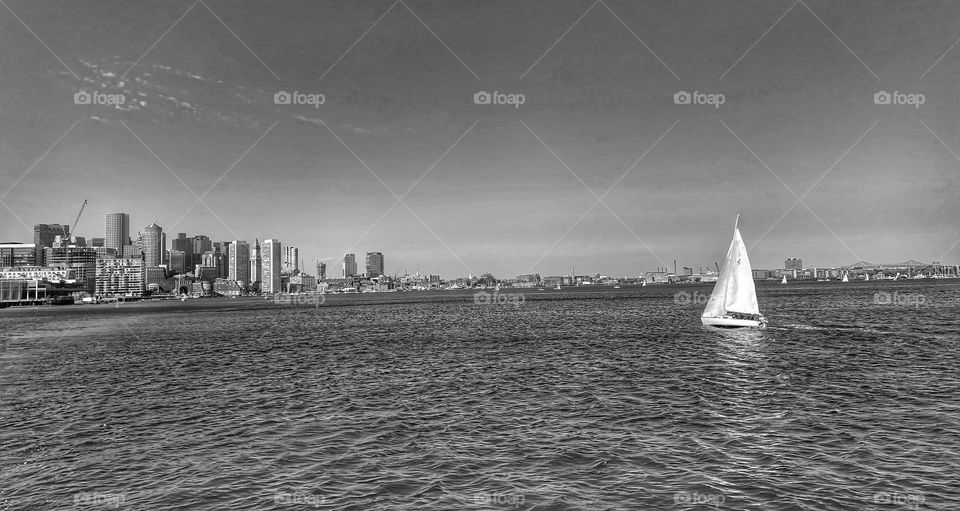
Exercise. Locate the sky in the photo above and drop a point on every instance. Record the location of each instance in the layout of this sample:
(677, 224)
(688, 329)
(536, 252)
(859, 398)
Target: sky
(599, 169)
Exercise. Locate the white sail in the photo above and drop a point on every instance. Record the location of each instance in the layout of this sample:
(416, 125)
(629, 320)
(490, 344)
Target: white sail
(845, 279)
(866, 276)
(784, 281)
(734, 291)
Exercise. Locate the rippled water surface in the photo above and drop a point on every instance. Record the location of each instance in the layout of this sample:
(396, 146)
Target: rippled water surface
(613, 399)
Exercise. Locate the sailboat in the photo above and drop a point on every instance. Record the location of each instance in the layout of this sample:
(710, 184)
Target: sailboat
(844, 279)
(733, 303)
(784, 281)
(866, 277)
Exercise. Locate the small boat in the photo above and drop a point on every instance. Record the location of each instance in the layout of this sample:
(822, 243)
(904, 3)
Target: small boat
(844, 279)
(784, 281)
(616, 287)
(557, 287)
(733, 302)
(866, 277)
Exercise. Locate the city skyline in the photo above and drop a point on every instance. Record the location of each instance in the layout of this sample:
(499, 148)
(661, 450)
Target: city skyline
(801, 146)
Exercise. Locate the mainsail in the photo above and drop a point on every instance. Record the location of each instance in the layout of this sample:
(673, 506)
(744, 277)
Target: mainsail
(734, 291)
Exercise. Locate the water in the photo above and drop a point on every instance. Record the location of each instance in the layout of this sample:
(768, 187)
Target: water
(602, 399)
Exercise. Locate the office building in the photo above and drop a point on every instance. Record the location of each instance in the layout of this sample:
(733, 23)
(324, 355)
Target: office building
(240, 262)
(270, 253)
(99, 242)
(374, 264)
(256, 263)
(794, 263)
(349, 265)
(81, 259)
(153, 248)
(44, 236)
(321, 271)
(177, 261)
(118, 231)
(18, 254)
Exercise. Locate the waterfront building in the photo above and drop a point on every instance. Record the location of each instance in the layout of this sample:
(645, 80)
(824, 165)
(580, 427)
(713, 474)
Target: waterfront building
(156, 279)
(349, 266)
(120, 277)
(374, 264)
(153, 247)
(270, 280)
(321, 271)
(39, 273)
(82, 259)
(118, 231)
(794, 263)
(302, 283)
(256, 264)
(227, 287)
(18, 254)
(240, 262)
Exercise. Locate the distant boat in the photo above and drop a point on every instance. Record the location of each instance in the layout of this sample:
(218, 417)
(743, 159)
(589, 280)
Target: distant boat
(557, 287)
(733, 303)
(866, 277)
(844, 279)
(784, 281)
(616, 287)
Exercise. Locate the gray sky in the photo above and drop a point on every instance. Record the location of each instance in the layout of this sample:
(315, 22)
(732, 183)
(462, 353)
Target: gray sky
(516, 188)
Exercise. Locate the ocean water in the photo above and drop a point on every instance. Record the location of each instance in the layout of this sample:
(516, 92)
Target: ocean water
(576, 399)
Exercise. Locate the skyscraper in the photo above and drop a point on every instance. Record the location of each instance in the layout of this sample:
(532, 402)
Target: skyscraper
(256, 262)
(240, 261)
(153, 248)
(374, 264)
(321, 271)
(349, 265)
(43, 236)
(118, 231)
(270, 256)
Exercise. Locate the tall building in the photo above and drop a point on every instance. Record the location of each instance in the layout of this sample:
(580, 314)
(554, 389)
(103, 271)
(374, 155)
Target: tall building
(794, 263)
(153, 248)
(321, 270)
(256, 263)
(43, 237)
(349, 265)
(270, 255)
(198, 245)
(18, 254)
(239, 261)
(118, 231)
(120, 277)
(177, 261)
(374, 264)
(291, 258)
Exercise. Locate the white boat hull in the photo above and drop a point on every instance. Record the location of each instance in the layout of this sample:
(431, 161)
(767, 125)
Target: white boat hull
(727, 322)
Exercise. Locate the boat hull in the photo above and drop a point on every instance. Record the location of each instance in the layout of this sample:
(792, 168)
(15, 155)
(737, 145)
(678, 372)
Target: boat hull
(733, 323)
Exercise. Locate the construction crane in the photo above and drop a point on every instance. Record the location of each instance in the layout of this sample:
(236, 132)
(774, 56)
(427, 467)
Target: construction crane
(65, 227)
